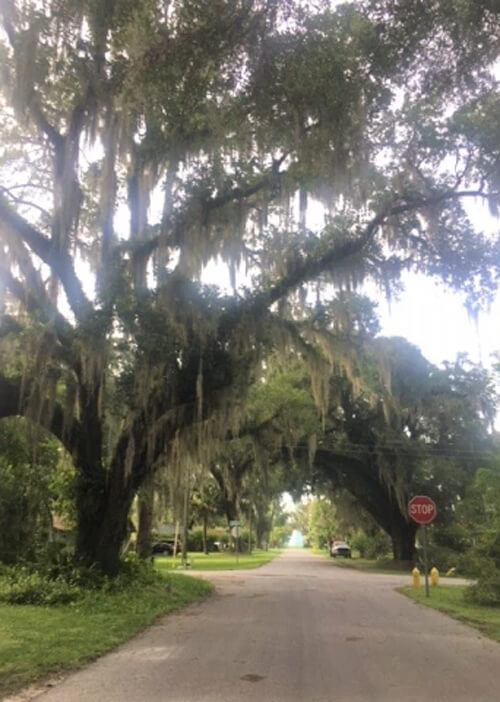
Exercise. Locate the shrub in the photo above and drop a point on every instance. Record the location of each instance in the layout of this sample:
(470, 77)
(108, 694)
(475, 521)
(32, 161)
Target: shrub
(65, 581)
(195, 539)
(371, 545)
(442, 557)
(244, 541)
(486, 591)
(220, 536)
(21, 586)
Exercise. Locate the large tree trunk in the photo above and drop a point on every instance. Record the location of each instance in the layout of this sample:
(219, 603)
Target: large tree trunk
(402, 535)
(229, 499)
(101, 525)
(146, 513)
(92, 488)
(204, 533)
(250, 531)
(104, 498)
(261, 530)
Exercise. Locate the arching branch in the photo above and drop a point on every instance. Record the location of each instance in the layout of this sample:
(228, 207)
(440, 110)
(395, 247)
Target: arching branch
(36, 301)
(60, 262)
(336, 257)
(14, 394)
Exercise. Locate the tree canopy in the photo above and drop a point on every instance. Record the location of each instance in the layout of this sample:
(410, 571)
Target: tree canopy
(142, 141)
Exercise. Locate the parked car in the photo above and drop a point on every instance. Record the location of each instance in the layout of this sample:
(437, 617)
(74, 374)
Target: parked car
(340, 548)
(165, 547)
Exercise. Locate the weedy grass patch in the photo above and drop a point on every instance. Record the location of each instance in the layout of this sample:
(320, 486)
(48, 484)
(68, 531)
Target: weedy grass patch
(451, 600)
(38, 641)
(218, 561)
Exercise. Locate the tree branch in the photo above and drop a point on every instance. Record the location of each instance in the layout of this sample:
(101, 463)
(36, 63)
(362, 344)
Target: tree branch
(60, 262)
(13, 403)
(55, 138)
(208, 205)
(311, 267)
(20, 201)
(36, 301)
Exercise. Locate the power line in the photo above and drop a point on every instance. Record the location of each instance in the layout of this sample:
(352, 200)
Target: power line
(361, 450)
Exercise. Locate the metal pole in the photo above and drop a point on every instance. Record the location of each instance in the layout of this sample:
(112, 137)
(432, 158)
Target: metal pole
(426, 567)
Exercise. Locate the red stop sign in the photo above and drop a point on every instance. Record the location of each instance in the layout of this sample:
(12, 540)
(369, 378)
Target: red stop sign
(422, 509)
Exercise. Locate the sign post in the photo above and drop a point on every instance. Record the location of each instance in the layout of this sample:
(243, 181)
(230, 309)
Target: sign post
(423, 511)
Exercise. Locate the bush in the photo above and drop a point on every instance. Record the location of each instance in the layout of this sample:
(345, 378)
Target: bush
(486, 591)
(280, 536)
(195, 539)
(220, 536)
(445, 546)
(243, 545)
(20, 586)
(27, 487)
(371, 545)
(64, 582)
(442, 557)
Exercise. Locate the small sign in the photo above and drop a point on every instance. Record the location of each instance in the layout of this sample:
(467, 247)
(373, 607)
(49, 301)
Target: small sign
(235, 531)
(422, 509)
(234, 523)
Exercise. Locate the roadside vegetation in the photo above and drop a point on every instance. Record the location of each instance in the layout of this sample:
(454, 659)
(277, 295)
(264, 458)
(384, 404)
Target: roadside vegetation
(218, 561)
(37, 641)
(457, 602)
(56, 617)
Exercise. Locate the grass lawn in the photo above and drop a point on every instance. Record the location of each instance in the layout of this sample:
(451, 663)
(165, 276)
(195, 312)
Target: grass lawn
(219, 561)
(39, 641)
(450, 599)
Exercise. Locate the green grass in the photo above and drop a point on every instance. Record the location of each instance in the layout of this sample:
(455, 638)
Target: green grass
(450, 599)
(218, 561)
(40, 641)
(36, 642)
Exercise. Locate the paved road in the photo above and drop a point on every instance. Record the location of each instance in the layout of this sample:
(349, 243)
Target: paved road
(298, 629)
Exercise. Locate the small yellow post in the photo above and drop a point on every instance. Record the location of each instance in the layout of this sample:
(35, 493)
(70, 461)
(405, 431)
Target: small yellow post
(416, 578)
(434, 576)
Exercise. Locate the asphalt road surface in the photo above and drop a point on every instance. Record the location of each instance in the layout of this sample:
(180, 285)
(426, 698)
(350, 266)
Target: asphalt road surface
(298, 629)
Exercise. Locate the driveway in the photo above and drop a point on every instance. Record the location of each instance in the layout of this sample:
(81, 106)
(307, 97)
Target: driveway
(297, 629)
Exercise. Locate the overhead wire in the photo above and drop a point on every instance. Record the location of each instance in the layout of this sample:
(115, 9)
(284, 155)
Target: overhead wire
(422, 451)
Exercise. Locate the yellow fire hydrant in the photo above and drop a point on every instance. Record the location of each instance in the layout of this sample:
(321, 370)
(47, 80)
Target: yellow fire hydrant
(434, 576)
(416, 578)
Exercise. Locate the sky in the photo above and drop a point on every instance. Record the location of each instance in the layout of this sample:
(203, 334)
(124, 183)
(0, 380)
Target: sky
(435, 320)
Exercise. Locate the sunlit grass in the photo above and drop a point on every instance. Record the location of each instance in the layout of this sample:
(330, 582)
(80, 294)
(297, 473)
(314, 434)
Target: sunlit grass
(40, 641)
(218, 561)
(450, 599)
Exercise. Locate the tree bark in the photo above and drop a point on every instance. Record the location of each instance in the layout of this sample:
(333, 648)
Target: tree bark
(402, 535)
(146, 512)
(102, 519)
(229, 500)
(204, 533)
(185, 519)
